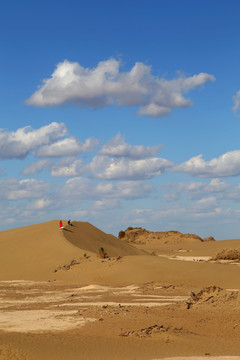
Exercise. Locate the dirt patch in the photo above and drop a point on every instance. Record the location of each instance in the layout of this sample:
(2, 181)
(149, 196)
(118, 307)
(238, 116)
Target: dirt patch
(151, 330)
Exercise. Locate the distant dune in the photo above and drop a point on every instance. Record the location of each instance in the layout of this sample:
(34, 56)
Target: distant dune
(141, 236)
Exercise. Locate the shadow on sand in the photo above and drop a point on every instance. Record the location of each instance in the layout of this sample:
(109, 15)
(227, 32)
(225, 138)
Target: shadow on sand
(67, 230)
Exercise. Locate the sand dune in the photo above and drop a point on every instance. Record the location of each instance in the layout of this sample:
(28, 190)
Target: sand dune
(46, 252)
(87, 237)
(34, 252)
(130, 305)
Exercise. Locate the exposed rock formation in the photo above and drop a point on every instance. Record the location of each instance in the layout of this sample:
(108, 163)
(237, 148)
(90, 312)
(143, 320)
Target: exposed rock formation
(142, 236)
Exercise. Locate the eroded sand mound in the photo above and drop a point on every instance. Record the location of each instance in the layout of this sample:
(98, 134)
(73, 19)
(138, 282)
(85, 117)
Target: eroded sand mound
(214, 296)
(141, 236)
(228, 254)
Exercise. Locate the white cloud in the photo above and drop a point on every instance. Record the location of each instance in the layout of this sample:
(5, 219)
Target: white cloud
(103, 167)
(13, 189)
(206, 203)
(105, 204)
(19, 143)
(117, 147)
(236, 100)
(105, 84)
(36, 167)
(67, 147)
(226, 165)
(40, 204)
(178, 217)
(196, 190)
(82, 188)
(67, 168)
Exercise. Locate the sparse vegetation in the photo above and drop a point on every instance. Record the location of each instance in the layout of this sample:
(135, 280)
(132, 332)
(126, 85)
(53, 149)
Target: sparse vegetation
(102, 253)
(228, 254)
(67, 266)
(121, 234)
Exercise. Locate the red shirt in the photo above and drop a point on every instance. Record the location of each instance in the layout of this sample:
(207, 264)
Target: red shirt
(60, 224)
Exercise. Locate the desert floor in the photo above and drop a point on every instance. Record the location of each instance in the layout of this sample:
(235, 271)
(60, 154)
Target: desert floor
(60, 300)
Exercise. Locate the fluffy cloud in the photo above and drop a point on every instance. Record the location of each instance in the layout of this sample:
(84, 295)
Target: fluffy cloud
(106, 204)
(206, 203)
(196, 190)
(117, 147)
(119, 160)
(67, 147)
(105, 85)
(67, 168)
(83, 188)
(36, 167)
(226, 165)
(13, 189)
(40, 204)
(19, 143)
(189, 217)
(103, 167)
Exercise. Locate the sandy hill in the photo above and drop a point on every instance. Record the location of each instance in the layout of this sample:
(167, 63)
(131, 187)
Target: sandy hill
(33, 252)
(46, 252)
(87, 237)
(141, 236)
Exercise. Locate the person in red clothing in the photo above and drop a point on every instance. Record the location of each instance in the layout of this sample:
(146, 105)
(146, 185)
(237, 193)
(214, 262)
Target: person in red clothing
(60, 224)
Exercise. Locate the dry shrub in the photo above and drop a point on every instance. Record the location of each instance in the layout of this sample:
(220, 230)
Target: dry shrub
(212, 295)
(102, 253)
(121, 234)
(228, 254)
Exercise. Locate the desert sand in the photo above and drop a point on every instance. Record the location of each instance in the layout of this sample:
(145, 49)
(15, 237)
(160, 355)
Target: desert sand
(79, 293)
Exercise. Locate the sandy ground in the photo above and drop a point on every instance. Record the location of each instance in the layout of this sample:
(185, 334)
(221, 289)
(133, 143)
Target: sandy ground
(60, 300)
(44, 320)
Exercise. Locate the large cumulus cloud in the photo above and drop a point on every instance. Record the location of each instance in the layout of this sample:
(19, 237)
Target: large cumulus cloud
(225, 165)
(105, 85)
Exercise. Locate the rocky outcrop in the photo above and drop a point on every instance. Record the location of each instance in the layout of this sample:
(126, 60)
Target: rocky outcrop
(141, 236)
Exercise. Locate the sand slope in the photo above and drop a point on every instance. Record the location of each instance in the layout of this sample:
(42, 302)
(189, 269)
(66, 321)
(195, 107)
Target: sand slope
(45, 252)
(87, 237)
(34, 252)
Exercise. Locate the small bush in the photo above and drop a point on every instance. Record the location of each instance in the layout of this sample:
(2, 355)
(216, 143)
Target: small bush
(102, 253)
(121, 234)
(130, 228)
(228, 254)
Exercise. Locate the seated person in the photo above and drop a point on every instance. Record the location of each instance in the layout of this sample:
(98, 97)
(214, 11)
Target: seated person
(69, 223)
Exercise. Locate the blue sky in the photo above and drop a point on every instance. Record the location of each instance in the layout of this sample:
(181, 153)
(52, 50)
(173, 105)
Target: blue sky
(121, 114)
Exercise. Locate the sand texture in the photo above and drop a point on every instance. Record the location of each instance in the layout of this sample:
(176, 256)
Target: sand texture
(62, 299)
